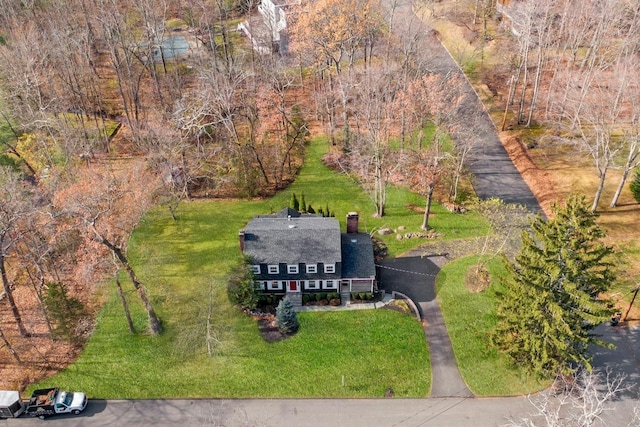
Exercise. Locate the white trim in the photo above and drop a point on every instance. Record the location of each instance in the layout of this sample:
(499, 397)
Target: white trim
(274, 285)
(312, 268)
(292, 268)
(308, 284)
(273, 268)
(329, 268)
(255, 269)
(329, 284)
(262, 284)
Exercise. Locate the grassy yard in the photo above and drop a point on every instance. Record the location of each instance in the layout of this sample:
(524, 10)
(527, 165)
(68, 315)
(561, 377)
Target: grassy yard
(469, 317)
(183, 263)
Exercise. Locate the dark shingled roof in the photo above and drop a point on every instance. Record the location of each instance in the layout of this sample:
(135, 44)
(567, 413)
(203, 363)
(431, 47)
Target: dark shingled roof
(357, 256)
(305, 239)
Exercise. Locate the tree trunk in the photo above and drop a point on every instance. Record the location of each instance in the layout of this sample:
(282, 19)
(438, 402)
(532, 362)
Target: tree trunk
(12, 302)
(155, 326)
(154, 322)
(125, 305)
(634, 152)
(596, 199)
(3, 339)
(614, 201)
(427, 209)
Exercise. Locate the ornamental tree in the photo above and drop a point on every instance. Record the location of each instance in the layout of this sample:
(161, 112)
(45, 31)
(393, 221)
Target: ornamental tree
(286, 317)
(552, 297)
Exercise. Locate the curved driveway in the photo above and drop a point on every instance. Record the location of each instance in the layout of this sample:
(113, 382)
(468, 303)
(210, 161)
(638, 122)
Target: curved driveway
(494, 176)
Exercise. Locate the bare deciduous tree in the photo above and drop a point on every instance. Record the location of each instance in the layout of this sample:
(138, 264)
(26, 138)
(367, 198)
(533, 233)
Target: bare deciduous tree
(16, 204)
(109, 206)
(575, 401)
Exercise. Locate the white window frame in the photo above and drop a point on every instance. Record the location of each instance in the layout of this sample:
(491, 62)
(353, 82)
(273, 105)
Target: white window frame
(262, 284)
(308, 285)
(329, 284)
(292, 268)
(273, 268)
(329, 268)
(312, 268)
(255, 268)
(274, 285)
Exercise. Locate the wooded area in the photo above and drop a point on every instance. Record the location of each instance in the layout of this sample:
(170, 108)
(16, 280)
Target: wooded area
(101, 119)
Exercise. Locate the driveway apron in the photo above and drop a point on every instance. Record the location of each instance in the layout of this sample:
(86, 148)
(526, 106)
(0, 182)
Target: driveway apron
(415, 278)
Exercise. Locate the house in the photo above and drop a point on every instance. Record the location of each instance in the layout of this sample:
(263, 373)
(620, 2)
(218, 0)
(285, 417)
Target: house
(294, 254)
(512, 13)
(269, 34)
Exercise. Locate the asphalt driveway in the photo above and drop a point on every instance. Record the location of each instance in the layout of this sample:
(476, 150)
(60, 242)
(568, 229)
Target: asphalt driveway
(415, 278)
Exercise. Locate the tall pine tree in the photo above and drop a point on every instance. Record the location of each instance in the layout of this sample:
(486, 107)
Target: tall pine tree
(552, 296)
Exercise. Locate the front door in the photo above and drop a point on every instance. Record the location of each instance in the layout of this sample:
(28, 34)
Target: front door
(292, 286)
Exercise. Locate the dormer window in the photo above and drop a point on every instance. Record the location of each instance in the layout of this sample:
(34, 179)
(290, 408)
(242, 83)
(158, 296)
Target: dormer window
(255, 269)
(273, 269)
(312, 268)
(292, 268)
(329, 268)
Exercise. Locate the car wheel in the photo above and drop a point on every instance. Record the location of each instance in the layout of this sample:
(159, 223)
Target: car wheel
(76, 412)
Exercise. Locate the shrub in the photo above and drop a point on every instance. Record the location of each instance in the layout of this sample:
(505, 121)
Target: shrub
(362, 295)
(323, 295)
(318, 296)
(355, 296)
(306, 298)
(368, 295)
(634, 185)
(241, 287)
(333, 295)
(286, 317)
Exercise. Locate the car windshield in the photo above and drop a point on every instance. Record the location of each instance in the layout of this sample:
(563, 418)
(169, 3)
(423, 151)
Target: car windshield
(68, 399)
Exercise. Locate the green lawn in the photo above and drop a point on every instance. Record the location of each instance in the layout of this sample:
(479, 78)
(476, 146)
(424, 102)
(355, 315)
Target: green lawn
(469, 317)
(179, 260)
(322, 187)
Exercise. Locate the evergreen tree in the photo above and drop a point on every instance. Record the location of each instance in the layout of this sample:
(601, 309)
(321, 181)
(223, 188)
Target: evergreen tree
(294, 204)
(286, 317)
(310, 209)
(551, 298)
(241, 288)
(303, 204)
(634, 185)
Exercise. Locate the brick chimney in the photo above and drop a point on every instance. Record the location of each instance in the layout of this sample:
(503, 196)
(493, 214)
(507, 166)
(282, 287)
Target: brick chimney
(352, 222)
(241, 238)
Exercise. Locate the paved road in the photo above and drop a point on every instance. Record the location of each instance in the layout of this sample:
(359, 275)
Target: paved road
(494, 172)
(444, 412)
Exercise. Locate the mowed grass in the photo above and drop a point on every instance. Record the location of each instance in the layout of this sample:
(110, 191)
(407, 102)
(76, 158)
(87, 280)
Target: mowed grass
(322, 187)
(470, 317)
(183, 265)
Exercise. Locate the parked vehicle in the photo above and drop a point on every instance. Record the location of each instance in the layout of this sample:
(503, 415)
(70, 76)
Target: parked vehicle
(10, 404)
(43, 403)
